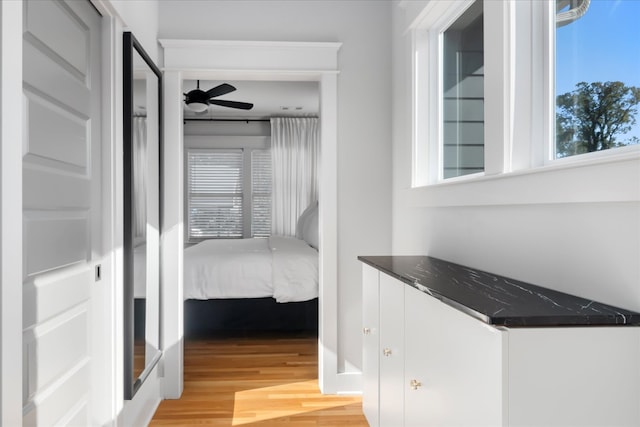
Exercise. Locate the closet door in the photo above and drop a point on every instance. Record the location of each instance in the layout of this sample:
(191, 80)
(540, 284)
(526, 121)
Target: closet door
(61, 207)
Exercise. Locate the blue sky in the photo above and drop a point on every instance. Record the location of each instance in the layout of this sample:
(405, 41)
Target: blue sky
(603, 45)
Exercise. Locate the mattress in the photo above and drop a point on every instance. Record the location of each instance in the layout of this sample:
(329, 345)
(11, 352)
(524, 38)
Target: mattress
(284, 268)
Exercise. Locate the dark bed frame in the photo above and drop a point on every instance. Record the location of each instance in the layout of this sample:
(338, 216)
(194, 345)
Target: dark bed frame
(203, 317)
(233, 316)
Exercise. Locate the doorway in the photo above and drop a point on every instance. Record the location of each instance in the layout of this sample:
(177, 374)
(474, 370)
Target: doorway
(276, 61)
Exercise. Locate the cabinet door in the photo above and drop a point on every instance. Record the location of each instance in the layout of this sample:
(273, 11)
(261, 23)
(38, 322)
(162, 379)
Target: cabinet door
(453, 366)
(574, 376)
(370, 344)
(391, 351)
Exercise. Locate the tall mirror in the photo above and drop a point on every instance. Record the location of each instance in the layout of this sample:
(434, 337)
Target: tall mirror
(142, 144)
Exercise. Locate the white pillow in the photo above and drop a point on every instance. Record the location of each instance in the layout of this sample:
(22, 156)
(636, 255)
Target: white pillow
(311, 232)
(307, 228)
(302, 219)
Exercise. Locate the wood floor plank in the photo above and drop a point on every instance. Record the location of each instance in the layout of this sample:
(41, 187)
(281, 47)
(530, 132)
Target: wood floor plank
(255, 381)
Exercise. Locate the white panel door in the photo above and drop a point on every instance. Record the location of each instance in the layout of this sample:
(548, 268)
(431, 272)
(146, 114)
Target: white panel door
(370, 344)
(391, 351)
(61, 207)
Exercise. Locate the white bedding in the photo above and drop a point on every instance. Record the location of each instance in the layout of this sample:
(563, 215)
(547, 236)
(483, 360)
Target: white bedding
(294, 269)
(284, 268)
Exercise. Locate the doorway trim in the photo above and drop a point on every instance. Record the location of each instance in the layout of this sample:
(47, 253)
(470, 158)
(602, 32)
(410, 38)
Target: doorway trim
(250, 60)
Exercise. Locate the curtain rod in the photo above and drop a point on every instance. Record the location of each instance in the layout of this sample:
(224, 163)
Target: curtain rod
(225, 120)
(195, 119)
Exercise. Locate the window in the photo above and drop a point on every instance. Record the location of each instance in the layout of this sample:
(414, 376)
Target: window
(463, 95)
(261, 193)
(527, 68)
(597, 76)
(449, 86)
(215, 193)
(220, 182)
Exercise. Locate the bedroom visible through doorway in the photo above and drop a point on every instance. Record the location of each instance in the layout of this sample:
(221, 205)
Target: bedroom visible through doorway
(234, 280)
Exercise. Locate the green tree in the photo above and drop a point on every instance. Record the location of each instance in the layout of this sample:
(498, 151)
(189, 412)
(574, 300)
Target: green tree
(594, 116)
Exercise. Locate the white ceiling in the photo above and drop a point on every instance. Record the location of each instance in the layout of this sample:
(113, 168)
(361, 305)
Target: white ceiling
(269, 98)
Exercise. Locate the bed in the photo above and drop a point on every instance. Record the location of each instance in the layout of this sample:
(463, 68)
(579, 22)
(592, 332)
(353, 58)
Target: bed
(258, 284)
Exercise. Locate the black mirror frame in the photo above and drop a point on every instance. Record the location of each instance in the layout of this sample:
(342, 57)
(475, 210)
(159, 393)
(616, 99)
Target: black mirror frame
(130, 46)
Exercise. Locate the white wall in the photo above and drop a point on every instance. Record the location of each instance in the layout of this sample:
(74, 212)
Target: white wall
(537, 227)
(364, 174)
(141, 18)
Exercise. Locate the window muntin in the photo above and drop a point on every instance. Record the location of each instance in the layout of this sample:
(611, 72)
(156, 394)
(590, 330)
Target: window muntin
(597, 77)
(463, 94)
(219, 183)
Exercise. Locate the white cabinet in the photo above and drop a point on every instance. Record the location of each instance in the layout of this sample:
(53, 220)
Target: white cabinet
(446, 368)
(582, 376)
(391, 351)
(370, 344)
(383, 343)
(453, 366)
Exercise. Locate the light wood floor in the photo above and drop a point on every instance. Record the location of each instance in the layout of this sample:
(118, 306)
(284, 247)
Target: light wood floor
(256, 381)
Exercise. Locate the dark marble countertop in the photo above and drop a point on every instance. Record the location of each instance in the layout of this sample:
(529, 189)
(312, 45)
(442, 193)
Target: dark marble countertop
(498, 300)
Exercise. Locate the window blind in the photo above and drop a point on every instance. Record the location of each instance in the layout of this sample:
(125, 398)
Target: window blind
(215, 193)
(261, 193)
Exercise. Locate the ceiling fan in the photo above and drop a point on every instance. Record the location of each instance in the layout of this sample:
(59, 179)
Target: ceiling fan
(198, 100)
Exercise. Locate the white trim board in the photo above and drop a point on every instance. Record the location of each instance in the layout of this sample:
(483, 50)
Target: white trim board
(11, 134)
(259, 56)
(260, 60)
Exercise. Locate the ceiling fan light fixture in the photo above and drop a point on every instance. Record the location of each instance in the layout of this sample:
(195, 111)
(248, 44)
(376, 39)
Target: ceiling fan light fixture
(197, 107)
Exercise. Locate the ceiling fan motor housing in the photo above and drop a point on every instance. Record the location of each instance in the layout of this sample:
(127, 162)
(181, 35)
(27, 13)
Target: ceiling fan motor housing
(198, 96)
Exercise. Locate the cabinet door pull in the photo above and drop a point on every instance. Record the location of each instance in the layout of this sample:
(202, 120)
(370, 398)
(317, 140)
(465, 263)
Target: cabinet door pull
(386, 352)
(415, 384)
(366, 331)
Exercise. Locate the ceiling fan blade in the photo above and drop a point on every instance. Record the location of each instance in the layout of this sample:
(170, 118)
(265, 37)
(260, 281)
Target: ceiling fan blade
(219, 90)
(232, 104)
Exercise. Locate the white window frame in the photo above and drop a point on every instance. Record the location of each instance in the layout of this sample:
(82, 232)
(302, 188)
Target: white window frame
(519, 132)
(427, 128)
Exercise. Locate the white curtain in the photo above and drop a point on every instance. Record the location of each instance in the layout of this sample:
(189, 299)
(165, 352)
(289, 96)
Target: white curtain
(139, 178)
(295, 149)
